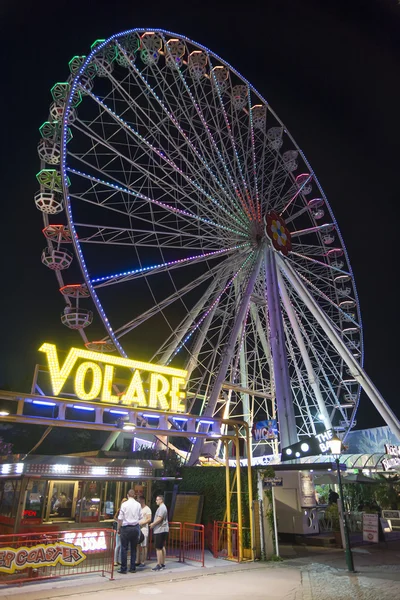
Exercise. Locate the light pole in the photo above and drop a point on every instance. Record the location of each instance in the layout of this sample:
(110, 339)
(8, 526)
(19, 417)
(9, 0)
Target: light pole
(336, 449)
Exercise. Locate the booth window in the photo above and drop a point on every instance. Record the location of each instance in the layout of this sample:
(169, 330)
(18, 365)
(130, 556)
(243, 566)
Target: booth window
(61, 501)
(90, 503)
(34, 503)
(9, 492)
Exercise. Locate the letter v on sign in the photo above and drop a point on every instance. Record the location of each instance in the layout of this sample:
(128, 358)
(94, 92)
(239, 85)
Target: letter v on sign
(59, 376)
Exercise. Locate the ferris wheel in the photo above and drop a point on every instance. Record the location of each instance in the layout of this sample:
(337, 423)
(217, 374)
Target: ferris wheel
(176, 201)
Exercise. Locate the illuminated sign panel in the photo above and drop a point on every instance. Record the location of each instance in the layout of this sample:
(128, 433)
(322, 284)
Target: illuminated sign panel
(164, 391)
(40, 555)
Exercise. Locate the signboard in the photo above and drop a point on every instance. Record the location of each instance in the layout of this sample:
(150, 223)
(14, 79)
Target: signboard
(92, 541)
(324, 439)
(165, 390)
(391, 514)
(307, 490)
(265, 430)
(394, 460)
(270, 482)
(370, 528)
(41, 555)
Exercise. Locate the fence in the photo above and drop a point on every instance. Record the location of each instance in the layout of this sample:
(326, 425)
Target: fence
(226, 540)
(34, 556)
(193, 542)
(173, 546)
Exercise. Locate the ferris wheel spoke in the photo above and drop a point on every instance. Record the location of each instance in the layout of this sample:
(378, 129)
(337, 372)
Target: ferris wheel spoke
(223, 132)
(176, 296)
(196, 159)
(164, 353)
(160, 268)
(168, 109)
(302, 394)
(226, 167)
(146, 237)
(215, 303)
(319, 293)
(166, 165)
(184, 214)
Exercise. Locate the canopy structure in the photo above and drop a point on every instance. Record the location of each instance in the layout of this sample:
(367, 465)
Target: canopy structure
(373, 462)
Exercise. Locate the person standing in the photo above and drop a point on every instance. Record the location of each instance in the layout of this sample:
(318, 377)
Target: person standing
(129, 516)
(144, 528)
(117, 551)
(160, 527)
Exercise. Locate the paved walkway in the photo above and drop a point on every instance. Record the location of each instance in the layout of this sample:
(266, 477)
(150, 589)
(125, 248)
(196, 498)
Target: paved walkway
(306, 574)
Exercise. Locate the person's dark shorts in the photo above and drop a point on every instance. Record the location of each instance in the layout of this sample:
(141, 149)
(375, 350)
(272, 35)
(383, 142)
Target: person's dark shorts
(160, 540)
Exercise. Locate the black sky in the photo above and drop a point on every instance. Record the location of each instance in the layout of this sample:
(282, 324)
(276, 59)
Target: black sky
(329, 69)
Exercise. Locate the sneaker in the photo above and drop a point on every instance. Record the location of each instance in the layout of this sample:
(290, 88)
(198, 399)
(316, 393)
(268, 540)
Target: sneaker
(162, 566)
(157, 568)
(122, 572)
(132, 570)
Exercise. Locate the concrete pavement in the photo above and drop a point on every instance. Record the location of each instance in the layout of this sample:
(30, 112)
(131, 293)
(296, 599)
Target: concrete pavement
(307, 573)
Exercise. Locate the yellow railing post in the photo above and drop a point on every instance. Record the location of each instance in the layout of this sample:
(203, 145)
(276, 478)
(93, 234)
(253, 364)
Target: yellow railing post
(239, 495)
(228, 499)
(250, 486)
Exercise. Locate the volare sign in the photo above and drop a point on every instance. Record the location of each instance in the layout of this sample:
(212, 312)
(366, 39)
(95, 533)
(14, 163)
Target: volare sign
(164, 390)
(41, 555)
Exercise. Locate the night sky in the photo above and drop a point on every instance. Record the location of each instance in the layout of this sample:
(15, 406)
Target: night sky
(330, 70)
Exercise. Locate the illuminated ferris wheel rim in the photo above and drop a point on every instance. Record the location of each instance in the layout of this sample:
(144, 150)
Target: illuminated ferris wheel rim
(65, 170)
(216, 56)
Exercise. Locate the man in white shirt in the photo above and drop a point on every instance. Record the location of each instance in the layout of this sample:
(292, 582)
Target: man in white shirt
(160, 528)
(128, 528)
(144, 528)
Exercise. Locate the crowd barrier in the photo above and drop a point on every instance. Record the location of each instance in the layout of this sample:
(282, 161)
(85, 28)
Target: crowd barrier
(193, 542)
(226, 540)
(34, 556)
(46, 555)
(173, 546)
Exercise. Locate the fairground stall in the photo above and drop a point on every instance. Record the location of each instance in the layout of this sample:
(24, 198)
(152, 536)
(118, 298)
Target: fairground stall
(62, 493)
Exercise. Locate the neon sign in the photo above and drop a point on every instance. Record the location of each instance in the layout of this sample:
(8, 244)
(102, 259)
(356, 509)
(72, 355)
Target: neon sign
(93, 541)
(165, 390)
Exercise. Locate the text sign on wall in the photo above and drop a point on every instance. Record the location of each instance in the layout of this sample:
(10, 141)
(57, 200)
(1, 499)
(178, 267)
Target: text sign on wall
(41, 555)
(370, 528)
(324, 439)
(165, 390)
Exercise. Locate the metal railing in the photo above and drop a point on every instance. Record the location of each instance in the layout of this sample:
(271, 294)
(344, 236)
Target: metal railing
(193, 542)
(226, 540)
(173, 544)
(33, 556)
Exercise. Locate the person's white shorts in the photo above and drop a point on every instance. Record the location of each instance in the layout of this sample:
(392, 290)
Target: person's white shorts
(144, 543)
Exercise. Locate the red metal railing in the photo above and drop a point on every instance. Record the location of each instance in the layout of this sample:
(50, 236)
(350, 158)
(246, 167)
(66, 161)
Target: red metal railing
(193, 542)
(173, 546)
(33, 556)
(226, 540)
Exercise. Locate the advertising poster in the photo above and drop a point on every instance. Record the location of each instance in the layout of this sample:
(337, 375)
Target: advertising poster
(307, 490)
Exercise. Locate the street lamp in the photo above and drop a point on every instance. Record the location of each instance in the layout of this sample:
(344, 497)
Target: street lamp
(336, 448)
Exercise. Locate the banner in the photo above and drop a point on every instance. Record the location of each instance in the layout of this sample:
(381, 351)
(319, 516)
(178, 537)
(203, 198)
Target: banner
(41, 555)
(265, 430)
